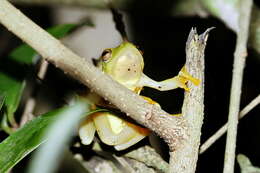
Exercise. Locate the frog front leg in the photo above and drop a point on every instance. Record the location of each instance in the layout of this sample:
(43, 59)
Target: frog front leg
(178, 81)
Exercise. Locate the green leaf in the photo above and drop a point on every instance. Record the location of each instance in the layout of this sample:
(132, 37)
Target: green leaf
(60, 31)
(47, 158)
(26, 139)
(245, 165)
(2, 99)
(13, 89)
(5, 126)
(30, 136)
(24, 54)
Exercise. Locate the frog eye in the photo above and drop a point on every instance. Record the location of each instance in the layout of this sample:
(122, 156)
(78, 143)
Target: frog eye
(107, 53)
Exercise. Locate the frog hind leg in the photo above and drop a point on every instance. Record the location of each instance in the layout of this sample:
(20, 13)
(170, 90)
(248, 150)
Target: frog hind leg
(139, 133)
(178, 81)
(113, 130)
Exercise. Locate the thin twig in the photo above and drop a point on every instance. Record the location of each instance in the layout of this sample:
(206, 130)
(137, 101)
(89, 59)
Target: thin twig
(238, 67)
(28, 111)
(171, 129)
(31, 102)
(184, 160)
(124, 164)
(149, 157)
(223, 129)
(43, 69)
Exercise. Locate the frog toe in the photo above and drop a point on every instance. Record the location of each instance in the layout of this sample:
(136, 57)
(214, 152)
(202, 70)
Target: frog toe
(183, 73)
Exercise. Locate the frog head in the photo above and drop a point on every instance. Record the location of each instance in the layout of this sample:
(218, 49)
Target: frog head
(124, 64)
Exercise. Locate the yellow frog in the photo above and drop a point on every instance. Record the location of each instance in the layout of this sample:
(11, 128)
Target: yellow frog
(125, 65)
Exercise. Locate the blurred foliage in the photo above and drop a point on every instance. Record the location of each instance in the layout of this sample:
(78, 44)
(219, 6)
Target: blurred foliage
(31, 135)
(13, 89)
(2, 99)
(12, 85)
(26, 55)
(59, 133)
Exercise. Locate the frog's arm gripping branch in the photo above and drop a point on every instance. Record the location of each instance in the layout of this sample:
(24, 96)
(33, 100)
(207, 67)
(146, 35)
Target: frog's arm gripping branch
(178, 81)
(172, 129)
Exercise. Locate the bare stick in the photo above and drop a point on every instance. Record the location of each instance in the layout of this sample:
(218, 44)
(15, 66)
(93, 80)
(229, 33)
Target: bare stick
(30, 102)
(28, 111)
(184, 160)
(149, 157)
(43, 69)
(223, 129)
(238, 67)
(171, 129)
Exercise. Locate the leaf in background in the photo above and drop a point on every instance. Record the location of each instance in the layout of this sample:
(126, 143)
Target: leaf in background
(26, 139)
(245, 165)
(227, 10)
(2, 99)
(30, 136)
(4, 124)
(47, 158)
(13, 89)
(24, 54)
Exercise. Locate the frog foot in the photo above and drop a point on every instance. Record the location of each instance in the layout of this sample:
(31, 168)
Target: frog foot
(184, 74)
(182, 79)
(176, 115)
(178, 81)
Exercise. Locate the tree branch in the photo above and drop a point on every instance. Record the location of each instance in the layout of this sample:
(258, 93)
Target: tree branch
(149, 157)
(238, 67)
(184, 160)
(31, 102)
(171, 129)
(223, 129)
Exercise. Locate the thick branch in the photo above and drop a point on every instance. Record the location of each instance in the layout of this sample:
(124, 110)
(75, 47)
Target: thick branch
(172, 129)
(238, 67)
(184, 160)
